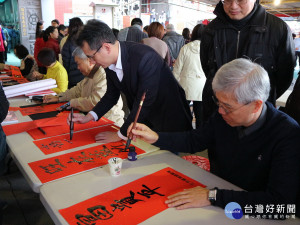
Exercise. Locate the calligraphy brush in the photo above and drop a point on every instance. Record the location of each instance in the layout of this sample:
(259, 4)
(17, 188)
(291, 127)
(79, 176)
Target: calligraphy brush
(71, 125)
(135, 120)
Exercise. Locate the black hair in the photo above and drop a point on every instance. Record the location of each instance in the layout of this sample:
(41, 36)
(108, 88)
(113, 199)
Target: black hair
(61, 27)
(116, 32)
(75, 24)
(38, 31)
(197, 32)
(95, 33)
(146, 28)
(46, 56)
(55, 21)
(21, 51)
(186, 33)
(47, 32)
(137, 21)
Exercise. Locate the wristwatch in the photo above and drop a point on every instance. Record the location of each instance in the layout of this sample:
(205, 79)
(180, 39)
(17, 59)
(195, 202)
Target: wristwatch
(212, 195)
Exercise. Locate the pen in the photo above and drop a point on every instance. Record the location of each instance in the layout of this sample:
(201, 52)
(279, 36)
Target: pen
(41, 129)
(71, 125)
(135, 120)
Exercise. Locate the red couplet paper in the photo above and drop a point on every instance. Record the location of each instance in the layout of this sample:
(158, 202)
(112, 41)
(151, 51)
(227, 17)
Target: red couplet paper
(63, 129)
(60, 119)
(132, 203)
(65, 165)
(40, 109)
(63, 142)
(13, 108)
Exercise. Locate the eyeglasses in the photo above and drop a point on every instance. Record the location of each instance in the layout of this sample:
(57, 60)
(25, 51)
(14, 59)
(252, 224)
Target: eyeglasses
(229, 2)
(92, 56)
(226, 110)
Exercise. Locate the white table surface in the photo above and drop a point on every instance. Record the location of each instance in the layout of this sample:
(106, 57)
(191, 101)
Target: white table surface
(283, 98)
(67, 192)
(24, 151)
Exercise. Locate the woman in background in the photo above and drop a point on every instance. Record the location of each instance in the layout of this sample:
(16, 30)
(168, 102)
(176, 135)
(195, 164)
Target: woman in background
(39, 28)
(155, 34)
(28, 63)
(74, 75)
(188, 71)
(186, 35)
(51, 39)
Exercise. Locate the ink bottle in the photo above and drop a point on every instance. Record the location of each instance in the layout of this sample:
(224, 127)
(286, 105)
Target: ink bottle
(132, 154)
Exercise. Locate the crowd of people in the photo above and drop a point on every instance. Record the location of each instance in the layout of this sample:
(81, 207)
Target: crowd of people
(231, 71)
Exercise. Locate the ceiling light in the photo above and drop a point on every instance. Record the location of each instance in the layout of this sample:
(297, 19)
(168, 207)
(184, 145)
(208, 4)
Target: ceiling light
(276, 2)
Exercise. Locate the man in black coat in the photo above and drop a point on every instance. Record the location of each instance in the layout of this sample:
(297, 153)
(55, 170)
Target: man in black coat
(243, 29)
(134, 68)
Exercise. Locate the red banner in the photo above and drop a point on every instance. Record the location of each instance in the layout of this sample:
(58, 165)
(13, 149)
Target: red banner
(51, 131)
(132, 203)
(75, 162)
(63, 142)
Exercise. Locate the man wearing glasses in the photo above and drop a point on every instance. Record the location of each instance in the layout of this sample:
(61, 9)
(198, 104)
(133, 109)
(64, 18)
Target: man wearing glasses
(243, 29)
(250, 143)
(133, 68)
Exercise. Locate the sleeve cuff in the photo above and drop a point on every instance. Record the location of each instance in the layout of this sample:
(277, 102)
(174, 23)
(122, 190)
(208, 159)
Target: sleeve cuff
(121, 135)
(94, 115)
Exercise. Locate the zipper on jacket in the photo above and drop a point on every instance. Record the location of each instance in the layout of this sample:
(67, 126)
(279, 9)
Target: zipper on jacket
(237, 45)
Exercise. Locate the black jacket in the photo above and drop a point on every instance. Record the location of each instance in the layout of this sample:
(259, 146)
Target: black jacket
(74, 75)
(265, 39)
(165, 107)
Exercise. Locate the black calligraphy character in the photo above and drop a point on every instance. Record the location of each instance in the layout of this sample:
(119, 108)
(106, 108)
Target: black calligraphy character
(124, 202)
(121, 148)
(105, 152)
(86, 220)
(100, 212)
(53, 168)
(81, 159)
(147, 192)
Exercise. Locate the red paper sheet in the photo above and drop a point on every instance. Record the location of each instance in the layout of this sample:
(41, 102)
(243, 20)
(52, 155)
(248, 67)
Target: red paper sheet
(13, 108)
(62, 142)
(132, 203)
(65, 165)
(40, 109)
(63, 129)
(60, 119)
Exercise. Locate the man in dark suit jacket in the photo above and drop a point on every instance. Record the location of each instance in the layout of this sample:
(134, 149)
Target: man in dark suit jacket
(134, 68)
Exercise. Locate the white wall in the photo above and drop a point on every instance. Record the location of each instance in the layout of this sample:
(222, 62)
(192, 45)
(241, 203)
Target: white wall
(48, 12)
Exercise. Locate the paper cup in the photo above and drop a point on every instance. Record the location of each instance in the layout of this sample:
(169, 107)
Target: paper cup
(115, 165)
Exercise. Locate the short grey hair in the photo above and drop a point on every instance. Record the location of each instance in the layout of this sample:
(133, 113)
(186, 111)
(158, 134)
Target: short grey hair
(247, 80)
(79, 53)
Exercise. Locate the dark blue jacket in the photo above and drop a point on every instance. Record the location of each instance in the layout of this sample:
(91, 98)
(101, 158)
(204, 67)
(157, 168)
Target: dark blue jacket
(165, 107)
(74, 75)
(265, 163)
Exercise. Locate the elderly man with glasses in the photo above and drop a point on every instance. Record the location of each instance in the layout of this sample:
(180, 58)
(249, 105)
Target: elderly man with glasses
(243, 29)
(133, 68)
(250, 143)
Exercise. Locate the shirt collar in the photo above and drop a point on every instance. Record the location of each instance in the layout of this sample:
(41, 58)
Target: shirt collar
(118, 65)
(245, 131)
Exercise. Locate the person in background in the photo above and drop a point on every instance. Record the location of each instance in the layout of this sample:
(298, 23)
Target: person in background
(188, 71)
(39, 28)
(145, 29)
(186, 33)
(155, 33)
(133, 68)
(74, 74)
(38, 46)
(243, 29)
(174, 41)
(55, 23)
(50, 37)
(134, 32)
(297, 49)
(62, 32)
(54, 70)
(2, 45)
(7, 38)
(4, 105)
(116, 32)
(250, 144)
(28, 63)
(88, 92)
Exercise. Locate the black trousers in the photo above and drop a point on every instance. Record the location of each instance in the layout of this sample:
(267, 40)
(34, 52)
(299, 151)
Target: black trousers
(198, 112)
(2, 57)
